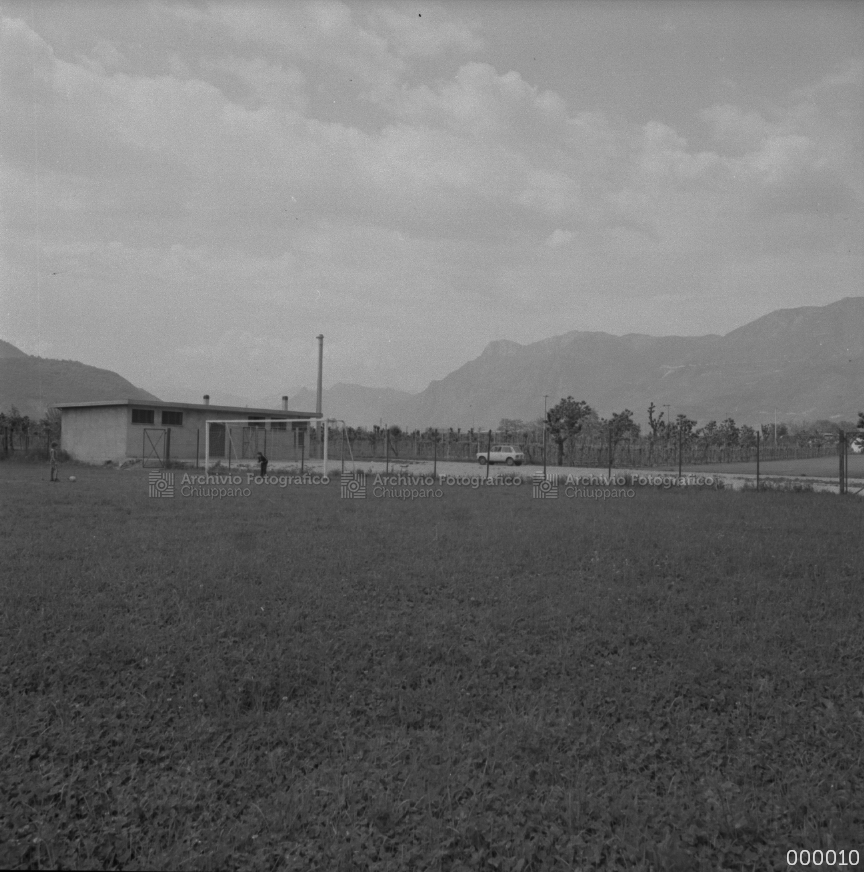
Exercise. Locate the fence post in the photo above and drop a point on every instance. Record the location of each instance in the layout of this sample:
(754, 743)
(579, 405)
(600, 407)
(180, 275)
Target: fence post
(680, 448)
(845, 462)
(758, 440)
(488, 453)
(435, 454)
(841, 450)
(609, 476)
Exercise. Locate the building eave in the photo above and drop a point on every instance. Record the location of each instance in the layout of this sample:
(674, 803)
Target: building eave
(192, 407)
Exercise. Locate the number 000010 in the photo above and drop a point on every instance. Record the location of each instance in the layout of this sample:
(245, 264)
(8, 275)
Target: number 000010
(818, 858)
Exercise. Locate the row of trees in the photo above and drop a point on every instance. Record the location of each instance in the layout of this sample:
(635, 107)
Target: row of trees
(570, 421)
(570, 418)
(22, 433)
(567, 421)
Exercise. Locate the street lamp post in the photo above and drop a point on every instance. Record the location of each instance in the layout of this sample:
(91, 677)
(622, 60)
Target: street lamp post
(545, 398)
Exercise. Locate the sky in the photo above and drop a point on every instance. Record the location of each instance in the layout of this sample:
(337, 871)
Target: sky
(191, 192)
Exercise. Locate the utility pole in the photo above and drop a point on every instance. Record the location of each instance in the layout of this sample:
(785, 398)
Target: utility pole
(320, 338)
(545, 398)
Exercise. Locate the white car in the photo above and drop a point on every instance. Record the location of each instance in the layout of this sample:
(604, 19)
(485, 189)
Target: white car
(501, 454)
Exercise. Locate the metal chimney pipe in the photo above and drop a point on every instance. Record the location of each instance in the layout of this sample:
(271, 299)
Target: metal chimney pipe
(320, 338)
(206, 399)
(284, 404)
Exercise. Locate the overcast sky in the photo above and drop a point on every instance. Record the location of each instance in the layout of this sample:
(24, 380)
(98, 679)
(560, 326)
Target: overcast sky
(191, 192)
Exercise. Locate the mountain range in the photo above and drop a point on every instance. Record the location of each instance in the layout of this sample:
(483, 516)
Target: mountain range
(32, 384)
(804, 363)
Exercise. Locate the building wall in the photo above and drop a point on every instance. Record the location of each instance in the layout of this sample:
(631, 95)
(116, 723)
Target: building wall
(184, 438)
(135, 443)
(95, 435)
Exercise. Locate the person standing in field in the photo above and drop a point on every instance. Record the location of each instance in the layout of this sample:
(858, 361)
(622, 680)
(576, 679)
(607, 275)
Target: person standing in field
(263, 461)
(52, 457)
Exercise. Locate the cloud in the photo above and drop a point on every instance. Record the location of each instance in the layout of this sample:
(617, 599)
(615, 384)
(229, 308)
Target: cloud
(479, 101)
(313, 32)
(429, 32)
(230, 142)
(733, 127)
(559, 237)
(258, 81)
(847, 76)
(316, 163)
(104, 57)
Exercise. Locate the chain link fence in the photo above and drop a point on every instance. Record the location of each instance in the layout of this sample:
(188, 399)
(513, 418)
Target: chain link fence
(586, 452)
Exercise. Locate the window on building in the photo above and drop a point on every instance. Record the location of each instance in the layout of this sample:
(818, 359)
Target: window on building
(278, 425)
(172, 419)
(142, 416)
(256, 422)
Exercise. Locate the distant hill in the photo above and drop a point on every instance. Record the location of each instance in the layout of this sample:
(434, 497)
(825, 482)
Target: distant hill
(32, 384)
(9, 350)
(806, 363)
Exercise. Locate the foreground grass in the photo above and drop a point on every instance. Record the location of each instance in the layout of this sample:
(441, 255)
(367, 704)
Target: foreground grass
(294, 681)
(816, 467)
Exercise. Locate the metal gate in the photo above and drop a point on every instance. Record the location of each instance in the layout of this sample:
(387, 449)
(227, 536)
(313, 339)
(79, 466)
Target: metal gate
(217, 440)
(157, 447)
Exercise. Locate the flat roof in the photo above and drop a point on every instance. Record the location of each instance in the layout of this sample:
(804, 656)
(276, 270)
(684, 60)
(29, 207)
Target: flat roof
(159, 404)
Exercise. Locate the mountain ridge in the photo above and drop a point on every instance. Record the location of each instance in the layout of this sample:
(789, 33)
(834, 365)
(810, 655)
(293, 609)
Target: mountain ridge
(33, 384)
(805, 362)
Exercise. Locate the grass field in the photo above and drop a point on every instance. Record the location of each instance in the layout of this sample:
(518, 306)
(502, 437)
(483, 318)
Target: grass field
(289, 680)
(816, 467)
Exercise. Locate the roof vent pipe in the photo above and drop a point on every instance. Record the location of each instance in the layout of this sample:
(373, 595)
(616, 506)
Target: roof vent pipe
(206, 399)
(284, 404)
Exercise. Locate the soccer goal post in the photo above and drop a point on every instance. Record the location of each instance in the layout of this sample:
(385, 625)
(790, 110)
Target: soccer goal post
(278, 439)
(337, 422)
(241, 440)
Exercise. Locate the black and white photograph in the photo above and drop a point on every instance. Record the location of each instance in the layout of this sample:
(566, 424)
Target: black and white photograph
(432, 435)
